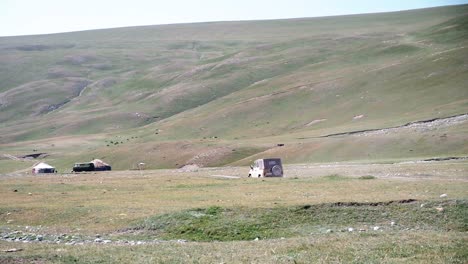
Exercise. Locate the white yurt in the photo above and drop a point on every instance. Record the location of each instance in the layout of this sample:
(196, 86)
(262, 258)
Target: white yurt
(100, 165)
(43, 168)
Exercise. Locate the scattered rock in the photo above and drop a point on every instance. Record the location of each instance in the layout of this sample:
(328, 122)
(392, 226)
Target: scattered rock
(189, 168)
(376, 228)
(422, 126)
(350, 229)
(12, 250)
(392, 223)
(316, 122)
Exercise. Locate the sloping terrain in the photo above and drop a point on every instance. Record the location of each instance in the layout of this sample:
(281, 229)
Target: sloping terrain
(225, 93)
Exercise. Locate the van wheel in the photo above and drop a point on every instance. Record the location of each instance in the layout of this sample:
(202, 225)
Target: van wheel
(277, 171)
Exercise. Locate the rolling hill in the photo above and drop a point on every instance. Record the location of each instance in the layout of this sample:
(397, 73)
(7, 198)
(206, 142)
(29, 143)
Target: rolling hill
(225, 93)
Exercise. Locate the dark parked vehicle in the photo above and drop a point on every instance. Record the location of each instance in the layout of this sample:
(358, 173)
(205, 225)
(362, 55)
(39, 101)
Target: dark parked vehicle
(102, 168)
(79, 167)
(94, 165)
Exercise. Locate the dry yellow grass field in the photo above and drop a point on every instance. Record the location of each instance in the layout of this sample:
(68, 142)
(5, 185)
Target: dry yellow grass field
(108, 203)
(111, 203)
(105, 201)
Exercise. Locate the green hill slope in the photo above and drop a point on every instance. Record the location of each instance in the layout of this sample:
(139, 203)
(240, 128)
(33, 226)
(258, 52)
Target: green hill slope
(217, 93)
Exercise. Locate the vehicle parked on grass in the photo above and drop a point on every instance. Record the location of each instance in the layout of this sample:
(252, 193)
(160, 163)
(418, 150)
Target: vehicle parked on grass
(94, 165)
(270, 167)
(80, 167)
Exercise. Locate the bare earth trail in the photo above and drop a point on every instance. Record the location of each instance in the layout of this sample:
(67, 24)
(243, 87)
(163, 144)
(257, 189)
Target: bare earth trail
(454, 170)
(414, 170)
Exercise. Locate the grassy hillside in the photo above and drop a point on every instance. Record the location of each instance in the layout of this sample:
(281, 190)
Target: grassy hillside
(226, 92)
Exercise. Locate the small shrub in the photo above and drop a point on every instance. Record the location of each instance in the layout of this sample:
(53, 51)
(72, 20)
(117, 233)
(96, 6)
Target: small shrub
(367, 177)
(336, 177)
(213, 210)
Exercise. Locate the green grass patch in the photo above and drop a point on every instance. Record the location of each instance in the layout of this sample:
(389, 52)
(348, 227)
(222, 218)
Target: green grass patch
(336, 177)
(399, 49)
(230, 224)
(367, 177)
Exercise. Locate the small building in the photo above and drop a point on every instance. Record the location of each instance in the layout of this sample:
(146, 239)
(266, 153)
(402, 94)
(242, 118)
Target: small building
(43, 168)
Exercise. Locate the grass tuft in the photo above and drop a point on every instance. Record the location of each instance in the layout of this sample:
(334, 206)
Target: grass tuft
(367, 177)
(336, 177)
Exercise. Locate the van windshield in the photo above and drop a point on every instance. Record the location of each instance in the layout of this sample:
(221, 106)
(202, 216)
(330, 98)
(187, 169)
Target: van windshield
(82, 165)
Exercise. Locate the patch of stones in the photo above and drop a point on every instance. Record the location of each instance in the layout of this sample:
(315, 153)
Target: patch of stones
(67, 239)
(76, 240)
(352, 229)
(417, 126)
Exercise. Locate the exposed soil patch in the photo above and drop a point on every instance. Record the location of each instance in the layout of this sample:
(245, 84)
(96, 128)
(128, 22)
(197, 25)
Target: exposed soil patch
(34, 156)
(316, 122)
(446, 158)
(50, 108)
(375, 203)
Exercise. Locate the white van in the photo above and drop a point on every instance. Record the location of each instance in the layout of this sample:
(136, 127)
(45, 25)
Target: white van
(266, 168)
